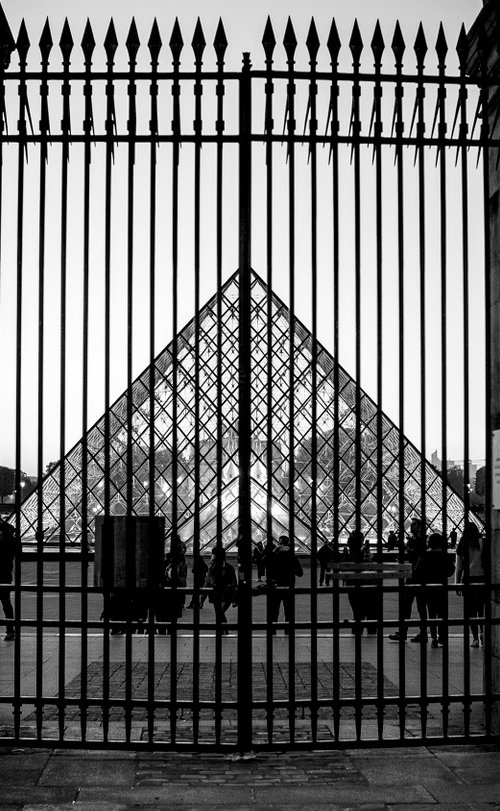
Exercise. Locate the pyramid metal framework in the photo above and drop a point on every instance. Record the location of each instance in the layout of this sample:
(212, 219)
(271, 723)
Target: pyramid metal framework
(222, 509)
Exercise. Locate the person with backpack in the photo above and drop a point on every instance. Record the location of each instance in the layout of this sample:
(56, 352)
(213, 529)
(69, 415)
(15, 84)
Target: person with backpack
(433, 570)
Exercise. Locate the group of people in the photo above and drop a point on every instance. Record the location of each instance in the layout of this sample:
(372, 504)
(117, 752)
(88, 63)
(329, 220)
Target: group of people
(427, 585)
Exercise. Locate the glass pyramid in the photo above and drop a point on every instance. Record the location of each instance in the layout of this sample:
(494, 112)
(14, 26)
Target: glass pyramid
(218, 495)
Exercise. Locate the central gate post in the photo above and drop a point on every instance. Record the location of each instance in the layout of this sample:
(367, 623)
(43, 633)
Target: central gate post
(244, 416)
(484, 62)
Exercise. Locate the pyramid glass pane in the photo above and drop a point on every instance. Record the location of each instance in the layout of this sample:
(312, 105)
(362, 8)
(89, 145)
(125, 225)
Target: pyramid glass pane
(338, 428)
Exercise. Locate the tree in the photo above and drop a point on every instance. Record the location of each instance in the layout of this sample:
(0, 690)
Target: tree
(455, 476)
(481, 481)
(6, 481)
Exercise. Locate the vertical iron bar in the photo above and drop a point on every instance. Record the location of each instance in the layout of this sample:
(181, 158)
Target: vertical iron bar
(110, 123)
(313, 89)
(356, 132)
(41, 340)
(152, 575)
(176, 132)
(334, 152)
(444, 363)
(404, 629)
(423, 329)
(244, 414)
(198, 120)
(377, 91)
(291, 393)
(85, 368)
(269, 126)
(465, 282)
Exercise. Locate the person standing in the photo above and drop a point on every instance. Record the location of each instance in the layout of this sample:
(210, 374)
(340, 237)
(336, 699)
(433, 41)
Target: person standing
(433, 570)
(470, 576)
(173, 597)
(415, 548)
(363, 596)
(284, 567)
(325, 555)
(199, 570)
(221, 579)
(8, 551)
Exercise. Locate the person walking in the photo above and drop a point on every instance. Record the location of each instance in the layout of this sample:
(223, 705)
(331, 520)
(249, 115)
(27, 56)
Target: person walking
(221, 579)
(284, 567)
(470, 577)
(433, 569)
(8, 552)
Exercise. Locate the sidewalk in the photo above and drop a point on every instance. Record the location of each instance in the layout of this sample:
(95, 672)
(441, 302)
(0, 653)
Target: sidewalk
(455, 778)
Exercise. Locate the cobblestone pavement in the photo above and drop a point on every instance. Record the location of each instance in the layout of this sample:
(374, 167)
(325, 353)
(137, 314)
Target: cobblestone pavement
(458, 778)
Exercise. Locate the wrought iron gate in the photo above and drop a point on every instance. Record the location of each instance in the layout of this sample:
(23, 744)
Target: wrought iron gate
(306, 318)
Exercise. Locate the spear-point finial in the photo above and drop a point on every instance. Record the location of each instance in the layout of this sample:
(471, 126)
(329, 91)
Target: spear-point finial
(269, 40)
(110, 41)
(46, 42)
(66, 42)
(377, 44)
(441, 46)
(88, 42)
(290, 40)
(154, 42)
(333, 43)
(23, 43)
(7, 41)
(176, 41)
(420, 46)
(463, 47)
(132, 42)
(356, 43)
(398, 45)
(312, 41)
(198, 42)
(220, 41)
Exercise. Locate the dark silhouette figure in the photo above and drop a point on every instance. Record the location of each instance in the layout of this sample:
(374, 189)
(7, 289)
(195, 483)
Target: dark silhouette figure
(326, 557)
(284, 567)
(363, 596)
(199, 570)
(221, 579)
(453, 539)
(415, 548)
(259, 558)
(9, 549)
(392, 541)
(433, 570)
(172, 597)
(470, 575)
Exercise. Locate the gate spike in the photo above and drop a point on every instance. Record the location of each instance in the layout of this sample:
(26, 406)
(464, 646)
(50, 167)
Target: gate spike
(312, 41)
(88, 42)
(377, 44)
(269, 40)
(333, 44)
(7, 42)
(398, 45)
(220, 42)
(356, 44)
(110, 42)
(198, 42)
(176, 42)
(66, 42)
(441, 46)
(132, 42)
(463, 48)
(23, 43)
(46, 42)
(290, 40)
(420, 46)
(154, 43)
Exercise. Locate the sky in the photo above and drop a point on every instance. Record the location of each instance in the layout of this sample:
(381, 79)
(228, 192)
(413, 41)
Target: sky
(244, 24)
